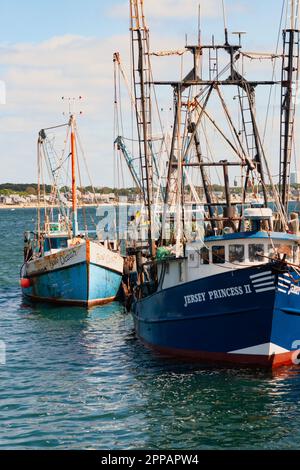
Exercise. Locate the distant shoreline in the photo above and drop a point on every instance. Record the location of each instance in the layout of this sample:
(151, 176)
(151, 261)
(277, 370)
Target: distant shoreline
(107, 204)
(34, 206)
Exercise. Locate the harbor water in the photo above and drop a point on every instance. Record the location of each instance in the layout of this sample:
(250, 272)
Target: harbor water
(77, 379)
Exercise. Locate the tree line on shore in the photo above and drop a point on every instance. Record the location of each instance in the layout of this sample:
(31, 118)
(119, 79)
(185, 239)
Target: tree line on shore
(23, 189)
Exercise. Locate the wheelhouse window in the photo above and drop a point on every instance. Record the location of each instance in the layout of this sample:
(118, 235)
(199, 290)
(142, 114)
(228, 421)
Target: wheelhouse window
(55, 243)
(204, 255)
(236, 253)
(273, 250)
(287, 251)
(180, 272)
(256, 252)
(218, 254)
(280, 251)
(194, 259)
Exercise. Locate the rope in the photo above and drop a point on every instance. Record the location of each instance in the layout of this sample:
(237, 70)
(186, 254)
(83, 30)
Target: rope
(55, 127)
(86, 164)
(261, 55)
(180, 52)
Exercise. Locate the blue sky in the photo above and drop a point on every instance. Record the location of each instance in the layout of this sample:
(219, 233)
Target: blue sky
(52, 48)
(34, 21)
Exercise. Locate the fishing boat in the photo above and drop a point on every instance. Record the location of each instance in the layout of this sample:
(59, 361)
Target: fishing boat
(232, 295)
(63, 264)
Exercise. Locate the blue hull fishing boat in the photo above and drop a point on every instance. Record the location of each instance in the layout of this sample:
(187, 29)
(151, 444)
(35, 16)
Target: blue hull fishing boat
(249, 315)
(63, 264)
(79, 275)
(225, 287)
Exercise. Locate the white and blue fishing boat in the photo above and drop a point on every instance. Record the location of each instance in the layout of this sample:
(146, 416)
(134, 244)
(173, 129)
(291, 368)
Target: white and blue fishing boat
(63, 264)
(231, 292)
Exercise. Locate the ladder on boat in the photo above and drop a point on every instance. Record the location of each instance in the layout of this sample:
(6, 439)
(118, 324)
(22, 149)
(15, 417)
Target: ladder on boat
(142, 79)
(247, 123)
(55, 163)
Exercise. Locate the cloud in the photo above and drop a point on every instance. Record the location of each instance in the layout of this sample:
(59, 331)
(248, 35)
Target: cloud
(36, 77)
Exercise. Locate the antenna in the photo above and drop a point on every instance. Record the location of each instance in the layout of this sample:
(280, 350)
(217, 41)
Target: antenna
(199, 24)
(72, 102)
(225, 22)
(292, 14)
(239, 34)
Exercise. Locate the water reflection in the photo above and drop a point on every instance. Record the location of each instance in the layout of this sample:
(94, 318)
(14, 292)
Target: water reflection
(204, 407)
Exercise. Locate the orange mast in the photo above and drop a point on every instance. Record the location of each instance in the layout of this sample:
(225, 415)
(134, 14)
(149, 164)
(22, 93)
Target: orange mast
(74, 186)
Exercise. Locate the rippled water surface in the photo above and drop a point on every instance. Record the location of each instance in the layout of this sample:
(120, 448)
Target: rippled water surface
(76, 379)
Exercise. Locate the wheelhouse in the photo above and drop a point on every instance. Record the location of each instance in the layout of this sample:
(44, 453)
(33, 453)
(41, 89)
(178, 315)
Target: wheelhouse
(216, 255)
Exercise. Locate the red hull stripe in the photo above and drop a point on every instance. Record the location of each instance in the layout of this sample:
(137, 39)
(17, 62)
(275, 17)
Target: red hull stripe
(274, 361)
(79, 303)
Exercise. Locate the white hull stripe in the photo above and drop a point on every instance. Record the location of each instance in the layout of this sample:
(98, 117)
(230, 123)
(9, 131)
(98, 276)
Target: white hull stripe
(264, 284)
(266, 349)
(261, 279)
(261, 274)
(266, 289)
(283, 285)
(285, 281)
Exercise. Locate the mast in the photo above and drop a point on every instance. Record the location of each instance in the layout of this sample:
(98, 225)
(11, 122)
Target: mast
(74, 185)
(39, 144)
(290, 74)
(142, 79)
(180, 190)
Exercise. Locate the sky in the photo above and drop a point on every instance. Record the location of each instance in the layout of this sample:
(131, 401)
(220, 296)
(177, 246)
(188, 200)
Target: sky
(58, 48)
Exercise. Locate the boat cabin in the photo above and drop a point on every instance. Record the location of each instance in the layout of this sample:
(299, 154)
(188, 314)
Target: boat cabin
(232, 250)
(55, 243)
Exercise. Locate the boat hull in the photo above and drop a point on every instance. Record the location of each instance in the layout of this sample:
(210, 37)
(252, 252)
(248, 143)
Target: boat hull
(248, 316)
(85, 275)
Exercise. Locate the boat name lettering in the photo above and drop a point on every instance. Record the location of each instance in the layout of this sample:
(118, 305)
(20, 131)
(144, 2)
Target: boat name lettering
(294, 290)
(61, 260)
(65, 259)
(217, 294)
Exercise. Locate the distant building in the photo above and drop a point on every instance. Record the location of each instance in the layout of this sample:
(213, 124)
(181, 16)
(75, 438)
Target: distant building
(18, 199)
(107, 198)
(295, 177)
(6, 200)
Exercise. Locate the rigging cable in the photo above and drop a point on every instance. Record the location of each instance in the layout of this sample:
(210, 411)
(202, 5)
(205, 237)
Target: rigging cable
(273, 71)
